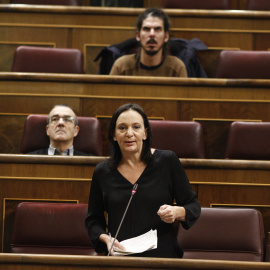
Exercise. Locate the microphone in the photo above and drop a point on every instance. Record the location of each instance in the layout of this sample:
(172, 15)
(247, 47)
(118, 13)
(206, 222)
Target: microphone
(134, 189)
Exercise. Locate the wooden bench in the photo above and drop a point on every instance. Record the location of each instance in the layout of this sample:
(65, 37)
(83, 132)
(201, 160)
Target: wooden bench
(113, 16)
(218, 183)
(215, 103)
(38, 262)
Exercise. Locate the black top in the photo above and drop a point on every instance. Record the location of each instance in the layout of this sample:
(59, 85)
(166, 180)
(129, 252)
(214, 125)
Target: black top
(163, 181)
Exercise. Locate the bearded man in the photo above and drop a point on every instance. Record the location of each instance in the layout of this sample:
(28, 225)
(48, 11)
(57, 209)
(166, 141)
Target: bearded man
(152, 59)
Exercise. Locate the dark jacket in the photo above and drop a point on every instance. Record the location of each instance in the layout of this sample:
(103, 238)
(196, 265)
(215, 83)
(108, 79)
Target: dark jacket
(45, 152)
(181, 48)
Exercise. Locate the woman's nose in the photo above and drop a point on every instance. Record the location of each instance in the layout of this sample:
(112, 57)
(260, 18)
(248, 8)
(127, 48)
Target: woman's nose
(129, 132)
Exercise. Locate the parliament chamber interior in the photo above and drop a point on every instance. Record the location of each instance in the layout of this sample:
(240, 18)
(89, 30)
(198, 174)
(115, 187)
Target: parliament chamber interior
(216, 121)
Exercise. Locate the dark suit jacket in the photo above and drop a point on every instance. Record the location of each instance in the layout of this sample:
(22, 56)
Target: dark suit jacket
(45, 152)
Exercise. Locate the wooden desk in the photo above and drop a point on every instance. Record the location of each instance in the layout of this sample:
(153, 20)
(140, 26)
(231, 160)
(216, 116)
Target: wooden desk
(213, 102)
(79, 36)
(51, 262)
(92, 28)
(218, 183)
(91, 39)
(110, 16)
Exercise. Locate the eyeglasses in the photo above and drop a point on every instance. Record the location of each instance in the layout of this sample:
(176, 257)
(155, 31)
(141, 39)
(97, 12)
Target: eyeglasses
(56, 118)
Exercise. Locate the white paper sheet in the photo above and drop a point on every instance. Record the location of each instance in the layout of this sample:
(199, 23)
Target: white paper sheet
(138, 244)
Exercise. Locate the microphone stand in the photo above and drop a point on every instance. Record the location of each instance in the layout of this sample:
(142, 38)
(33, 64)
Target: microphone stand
(134, 189)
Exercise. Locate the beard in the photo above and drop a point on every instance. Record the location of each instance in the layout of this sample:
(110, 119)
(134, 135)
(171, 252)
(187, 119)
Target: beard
(152, 52)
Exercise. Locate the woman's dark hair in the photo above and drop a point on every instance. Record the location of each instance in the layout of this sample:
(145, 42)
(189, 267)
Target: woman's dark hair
(154, 12)
(116, 155)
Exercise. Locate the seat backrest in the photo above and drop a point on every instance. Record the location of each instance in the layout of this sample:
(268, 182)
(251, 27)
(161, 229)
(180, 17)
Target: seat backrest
(243, 64)
(248, 140)
(88, 140)
(267, 248)
(225, 234)
(258, 5)
(47, 60)
(185, 138)
(195, 4)
(51, 228)
(47, 2)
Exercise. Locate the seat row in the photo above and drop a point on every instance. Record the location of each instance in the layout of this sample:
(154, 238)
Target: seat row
(232, 63)
(220, 233)
(246, 140)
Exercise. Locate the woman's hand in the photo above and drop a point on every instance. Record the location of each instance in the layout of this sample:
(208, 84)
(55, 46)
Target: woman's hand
(108, 241)
(170, 213)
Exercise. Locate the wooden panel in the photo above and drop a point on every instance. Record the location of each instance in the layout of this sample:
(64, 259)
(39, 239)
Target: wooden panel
(261, 41)
(59, 36)
(69, 15)
(11, 130)
(224, 110)
(153, 88)
(154, 108)
(240, 4)
(78, 36)
(100, 35)
(36, 104)
(205, 19)
(91, 51)
(233, 194)
(219, 38)
(50, 262)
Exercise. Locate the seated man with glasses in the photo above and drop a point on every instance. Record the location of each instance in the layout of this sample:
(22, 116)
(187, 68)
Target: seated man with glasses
(62, 127)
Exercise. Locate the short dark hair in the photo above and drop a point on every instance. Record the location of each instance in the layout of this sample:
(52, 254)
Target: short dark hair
(154, 12)
(63, 105)
(116, 155)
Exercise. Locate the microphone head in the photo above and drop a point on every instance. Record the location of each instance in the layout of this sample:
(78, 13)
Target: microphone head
(134, 189)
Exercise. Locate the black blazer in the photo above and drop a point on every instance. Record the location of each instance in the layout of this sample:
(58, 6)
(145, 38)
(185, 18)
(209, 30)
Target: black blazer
(45, 152)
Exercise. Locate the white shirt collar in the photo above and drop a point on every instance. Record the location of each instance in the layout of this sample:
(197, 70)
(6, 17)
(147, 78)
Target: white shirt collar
(69, 151)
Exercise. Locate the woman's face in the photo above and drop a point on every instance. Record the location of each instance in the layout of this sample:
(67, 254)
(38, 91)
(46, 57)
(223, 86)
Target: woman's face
(130, 132)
